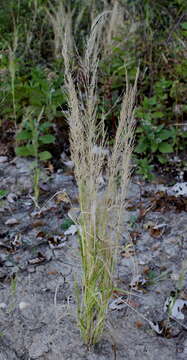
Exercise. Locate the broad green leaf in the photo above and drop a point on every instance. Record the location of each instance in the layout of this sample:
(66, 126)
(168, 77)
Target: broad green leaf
(22, 151)
(24, 135)
(3, 193)
(147, 102)
(27, 150)
(154, 147)
(158, 128)
(141, 147)
(165, 134)
(66, 224)
(164, 148)
(162, 84)
(147, 117)
(161, 159)
(184, 33)
(36, 97)
(184, 25)
(45, 155)
(47, 139)
(139, 130)
(118, 50)
(184, 134)
(153, 100)
(31, 149)
(181, 68)
(157, 115)
(139, 113)
(45, 125)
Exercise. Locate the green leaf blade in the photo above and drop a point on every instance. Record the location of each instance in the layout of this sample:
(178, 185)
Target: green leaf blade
(165, 148)
(47, 139)
(45, 155)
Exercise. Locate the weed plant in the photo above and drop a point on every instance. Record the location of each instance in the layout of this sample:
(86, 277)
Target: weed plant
(100, 212)
(33, 134)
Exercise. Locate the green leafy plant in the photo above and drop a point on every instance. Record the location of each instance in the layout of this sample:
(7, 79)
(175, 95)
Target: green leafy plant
(3, 193)
(13, 284)
(67, 223)
(145, 168)
(161, 94)
(155, 140)
(33, 135)
(33, 90)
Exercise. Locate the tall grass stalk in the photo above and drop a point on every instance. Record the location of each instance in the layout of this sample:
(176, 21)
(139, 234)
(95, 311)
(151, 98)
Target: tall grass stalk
(60, 18)
(12, 70)
(100, 211)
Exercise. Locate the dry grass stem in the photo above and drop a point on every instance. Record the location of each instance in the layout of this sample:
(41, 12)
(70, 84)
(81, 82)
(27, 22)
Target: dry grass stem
(61, 19)
(113, 29)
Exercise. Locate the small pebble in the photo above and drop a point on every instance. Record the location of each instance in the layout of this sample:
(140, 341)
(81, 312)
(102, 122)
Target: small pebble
(3, 159)
(70, 164)
(12, 221)
(11, 197)
(3, 306)
(9, 264)
(31, 269)
(23, 305)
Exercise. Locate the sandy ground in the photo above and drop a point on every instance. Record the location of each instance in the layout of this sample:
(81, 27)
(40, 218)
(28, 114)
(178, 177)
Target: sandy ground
(37, 303)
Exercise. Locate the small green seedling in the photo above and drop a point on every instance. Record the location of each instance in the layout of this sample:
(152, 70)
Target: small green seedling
(66, 224)
(33, 135)
(3, 193)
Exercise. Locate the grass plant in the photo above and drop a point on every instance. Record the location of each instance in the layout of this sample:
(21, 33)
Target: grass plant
(12, 71)
(33, 134)
(100, 211)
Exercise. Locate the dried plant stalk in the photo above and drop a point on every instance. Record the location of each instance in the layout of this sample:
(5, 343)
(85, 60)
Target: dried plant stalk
(61, 19)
